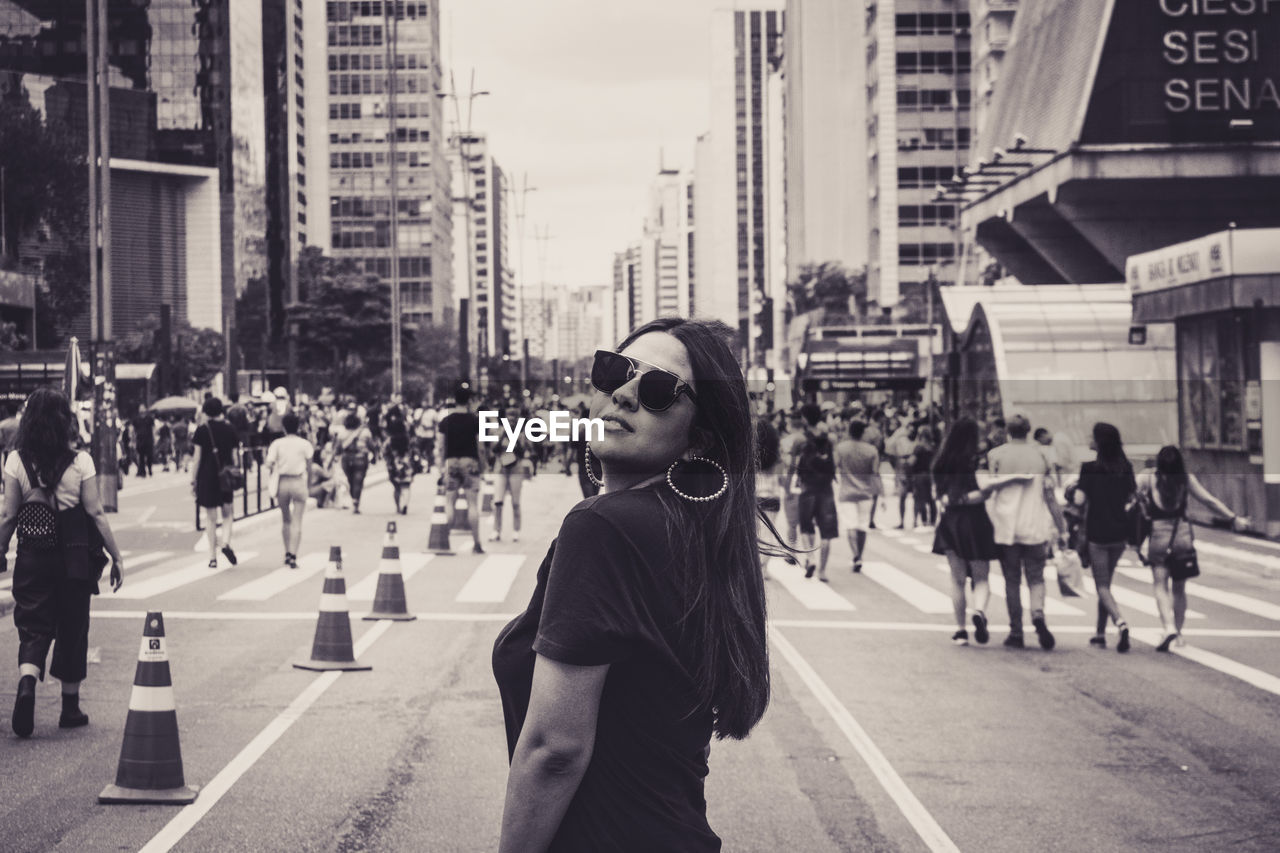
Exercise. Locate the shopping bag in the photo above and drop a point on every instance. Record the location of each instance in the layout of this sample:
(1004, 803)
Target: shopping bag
(1070, 574)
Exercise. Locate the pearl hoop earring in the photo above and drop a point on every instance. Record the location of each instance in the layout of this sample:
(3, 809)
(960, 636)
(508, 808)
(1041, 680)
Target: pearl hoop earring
(724, 485)
(586, 461)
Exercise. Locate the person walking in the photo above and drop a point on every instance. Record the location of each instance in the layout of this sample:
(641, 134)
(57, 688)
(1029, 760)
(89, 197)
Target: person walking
(918, 468)
(1105, 488)
(794, 433)
(510, 471)
(1024, 517)
(899, 448)
(460, 459)
(182, 444)
(399, 456)
(216, 448)
(144, 440)
(858, 479)
(964, 534)
(646, 633)
(813, 469)
(353, 443)
(53, 577)
(289, 467)
(1171, 545)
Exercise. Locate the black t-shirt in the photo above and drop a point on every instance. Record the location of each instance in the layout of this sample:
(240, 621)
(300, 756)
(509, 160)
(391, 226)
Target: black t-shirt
(1105, 521)
(224, 436)
(461, 431)
(605, 595)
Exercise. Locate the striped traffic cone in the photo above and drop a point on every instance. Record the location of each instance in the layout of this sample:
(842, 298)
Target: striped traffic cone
(388, 601)
(461, 521)
(486, 493)
(150, 768)
(438, 539)
(332, 647)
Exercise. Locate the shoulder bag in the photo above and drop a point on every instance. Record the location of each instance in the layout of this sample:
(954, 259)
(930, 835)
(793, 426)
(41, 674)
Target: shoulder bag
(1184, 564)
(83, 549)
(230, 477)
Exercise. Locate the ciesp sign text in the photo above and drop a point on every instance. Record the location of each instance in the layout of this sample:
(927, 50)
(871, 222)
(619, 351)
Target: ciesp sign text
(1209, 46)
(559, 426)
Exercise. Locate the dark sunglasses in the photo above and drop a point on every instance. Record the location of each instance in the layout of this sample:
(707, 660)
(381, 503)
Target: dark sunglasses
(658, 390)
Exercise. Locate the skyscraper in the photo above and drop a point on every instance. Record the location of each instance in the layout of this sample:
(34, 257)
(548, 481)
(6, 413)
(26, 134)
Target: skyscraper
(917, 106)
(363, 39)
(732, 195)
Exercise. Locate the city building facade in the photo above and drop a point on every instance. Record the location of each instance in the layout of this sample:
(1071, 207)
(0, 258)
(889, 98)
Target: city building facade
(732, 189)
(363, 40)
(918, 132)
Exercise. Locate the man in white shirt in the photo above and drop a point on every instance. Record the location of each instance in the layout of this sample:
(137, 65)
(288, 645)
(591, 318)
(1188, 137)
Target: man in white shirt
(1024, 516)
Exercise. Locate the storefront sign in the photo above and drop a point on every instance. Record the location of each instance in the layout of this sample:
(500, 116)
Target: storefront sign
(1183, 263)
(1190, 71)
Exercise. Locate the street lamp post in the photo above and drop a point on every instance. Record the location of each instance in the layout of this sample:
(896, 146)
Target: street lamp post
(391, 26)
(464, 152)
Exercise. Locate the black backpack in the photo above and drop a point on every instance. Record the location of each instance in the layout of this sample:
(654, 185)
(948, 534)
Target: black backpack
(38, 515)
(816, 466)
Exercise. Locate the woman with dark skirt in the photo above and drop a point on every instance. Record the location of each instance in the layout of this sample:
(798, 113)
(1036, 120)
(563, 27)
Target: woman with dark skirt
(51, 587)
(1105, 487)
(964, 532)
(646, 631)
(216, 446)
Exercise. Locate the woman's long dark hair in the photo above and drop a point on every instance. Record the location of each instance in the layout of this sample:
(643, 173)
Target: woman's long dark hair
(720, 578)
(1111, 456)
(958, 456)
(45, 432)
(768, 444)
(1171, 476)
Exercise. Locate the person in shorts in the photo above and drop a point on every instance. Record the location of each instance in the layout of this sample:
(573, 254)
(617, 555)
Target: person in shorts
(460, 459)
(813, 468)
(858, 471)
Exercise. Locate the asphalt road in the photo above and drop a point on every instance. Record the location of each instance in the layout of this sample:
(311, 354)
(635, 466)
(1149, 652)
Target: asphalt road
(881, 735)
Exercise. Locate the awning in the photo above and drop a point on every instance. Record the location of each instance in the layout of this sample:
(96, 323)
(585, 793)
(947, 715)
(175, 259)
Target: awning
(135, 371)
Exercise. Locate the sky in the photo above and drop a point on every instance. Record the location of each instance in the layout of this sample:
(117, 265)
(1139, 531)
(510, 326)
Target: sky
(584, 95)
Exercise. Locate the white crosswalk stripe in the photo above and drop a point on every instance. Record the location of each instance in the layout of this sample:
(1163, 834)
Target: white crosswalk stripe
(920, 595)
(1238, 554)
(1234, 600)
(492, 579)
(367, 587)
(171, 580)
(810, 592)
(278, 581)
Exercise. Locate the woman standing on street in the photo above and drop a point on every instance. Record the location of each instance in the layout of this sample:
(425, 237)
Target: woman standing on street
(510, 472)
(646, 631)
(964, 533)
(354, 445)
(216, 447)
(1105, 488)
(289, 463)
(1165, 491)
(51, 587)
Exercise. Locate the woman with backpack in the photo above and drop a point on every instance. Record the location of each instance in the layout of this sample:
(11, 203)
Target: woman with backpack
(1171, 546)
(51, 499)
(1105, 488)
(354, 444)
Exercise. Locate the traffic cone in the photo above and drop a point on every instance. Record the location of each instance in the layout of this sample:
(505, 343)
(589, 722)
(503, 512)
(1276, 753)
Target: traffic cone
(150, 768)
(438, 539)
(461, 521)
(486, 493)
(388, 601)
(332, 646)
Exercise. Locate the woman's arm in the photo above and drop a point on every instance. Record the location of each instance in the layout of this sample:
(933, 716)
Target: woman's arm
(552, 753)
(195, 466)
(92, 503)
(1200, 493)
(9, 514)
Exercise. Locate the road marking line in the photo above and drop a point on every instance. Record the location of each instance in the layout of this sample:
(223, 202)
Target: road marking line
(185, 820)
(1256, 677)
(1238, 554)
(278, 581)
(912, 809)
(170, 581)
(920, 595)
(492, 579)
(367, 587)
(811, 592)
(1235, 600)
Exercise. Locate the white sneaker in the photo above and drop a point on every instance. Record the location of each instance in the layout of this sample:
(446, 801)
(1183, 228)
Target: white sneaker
(496, 537)
(515, 537)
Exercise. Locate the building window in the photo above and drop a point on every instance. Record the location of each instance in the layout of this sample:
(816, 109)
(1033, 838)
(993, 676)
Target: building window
(912, 254)
(1211, 380)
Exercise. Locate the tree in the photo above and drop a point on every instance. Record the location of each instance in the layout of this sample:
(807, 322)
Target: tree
(344, 324)
(433, 360)
(830, 289)
(46, 200)
(251, 327)
(198, 354)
